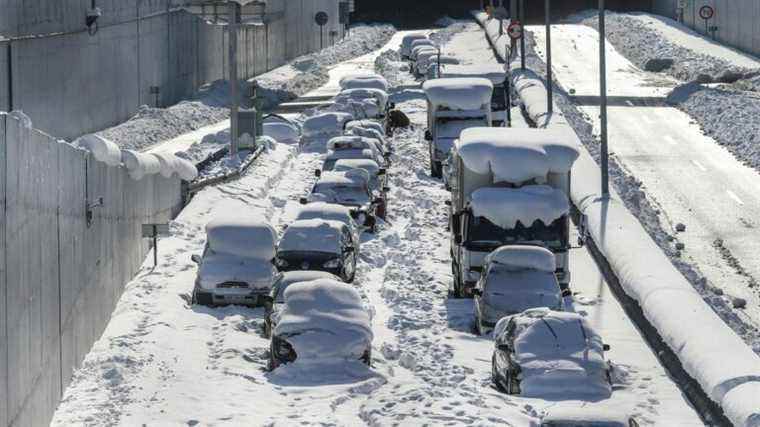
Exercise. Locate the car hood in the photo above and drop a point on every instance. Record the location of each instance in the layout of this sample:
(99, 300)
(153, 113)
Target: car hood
(219, 268)
(564, 377)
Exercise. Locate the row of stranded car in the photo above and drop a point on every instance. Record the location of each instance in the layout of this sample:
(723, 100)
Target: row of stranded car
(303, 278)
(509, 223)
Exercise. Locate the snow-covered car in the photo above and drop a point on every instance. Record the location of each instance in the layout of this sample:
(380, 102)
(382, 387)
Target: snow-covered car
(352, 142)
(283, 130)
(368, 124)
(370, 132)
(405, 49)
(325, 125)
(364, 81)
(350, 189)
(550, 354)
(333, 156)
(277, 295)
(376, 97)
(321, 321)
(586, 416)
(515, 279)
(237, 265)
(318, 244)
(377, 175)
(418, 45)
(437, 63)
(330, 212)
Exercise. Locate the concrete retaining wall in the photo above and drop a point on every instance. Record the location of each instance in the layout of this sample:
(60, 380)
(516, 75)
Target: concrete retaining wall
(736, 20)
(71, 83)
(60, 277)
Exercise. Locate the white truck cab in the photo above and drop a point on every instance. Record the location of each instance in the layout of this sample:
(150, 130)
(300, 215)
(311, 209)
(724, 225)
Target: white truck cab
(454, 105)
(509, 187)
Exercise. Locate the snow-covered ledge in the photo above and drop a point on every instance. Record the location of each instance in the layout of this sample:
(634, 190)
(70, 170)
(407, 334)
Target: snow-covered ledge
(724, 366)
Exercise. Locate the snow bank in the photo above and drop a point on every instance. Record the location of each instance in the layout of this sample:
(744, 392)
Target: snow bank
(523, 257)
(102, 149)
(459, 94)
(364, 81)
(312, 235)
(241, 237)
(326, 124)
(324, 319)
(140, 165)
(505, 207)
(712, 353)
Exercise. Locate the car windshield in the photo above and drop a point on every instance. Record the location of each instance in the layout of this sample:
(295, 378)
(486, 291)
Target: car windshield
(498, 99)
(344, 194)
(483, 233)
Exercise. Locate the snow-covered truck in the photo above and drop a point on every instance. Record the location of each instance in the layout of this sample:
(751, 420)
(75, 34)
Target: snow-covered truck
(454, 105)
(496, 73)
(509, 186)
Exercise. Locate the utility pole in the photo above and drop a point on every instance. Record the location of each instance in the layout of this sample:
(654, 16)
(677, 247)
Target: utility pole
(549, 85)
(603, 101)
(522, 38)
(233, 77)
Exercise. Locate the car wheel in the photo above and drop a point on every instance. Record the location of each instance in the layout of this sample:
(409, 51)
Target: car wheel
(367, 357)
(271, 365)
(457, 292)
(478, 327)
(267, 329)
(381, 211)
(511, 383)
(495, 375)
(203, 298)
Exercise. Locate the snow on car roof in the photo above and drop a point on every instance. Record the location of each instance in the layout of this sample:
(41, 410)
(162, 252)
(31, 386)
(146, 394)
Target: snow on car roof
(523, 257)
(282, 132)
(241, 237)
(351, 153)
(328, 211)
(369, 124)
(351, 141)
(290, 277)
(359, 81)
(424, 41)
(317, 235)
(493, 72)
(591, 413)
(326, 123)
(364, 93)
(369, 165)
(559, 353)
(353, 177)
(504, 207)
(459, 94)
(517, 155)
(366, 132)
(324, 319)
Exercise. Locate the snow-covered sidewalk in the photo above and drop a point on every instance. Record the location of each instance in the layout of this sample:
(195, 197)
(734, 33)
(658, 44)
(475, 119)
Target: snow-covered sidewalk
(164, 361)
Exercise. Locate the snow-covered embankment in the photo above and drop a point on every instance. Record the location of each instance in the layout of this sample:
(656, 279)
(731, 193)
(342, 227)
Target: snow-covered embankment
(724, 366)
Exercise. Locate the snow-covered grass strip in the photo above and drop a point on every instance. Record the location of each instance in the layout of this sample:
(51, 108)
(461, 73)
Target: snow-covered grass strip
(708, 349)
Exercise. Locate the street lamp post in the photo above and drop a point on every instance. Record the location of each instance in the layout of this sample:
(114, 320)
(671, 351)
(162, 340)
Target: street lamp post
(549, 86)
(603, 101)
(233, 77)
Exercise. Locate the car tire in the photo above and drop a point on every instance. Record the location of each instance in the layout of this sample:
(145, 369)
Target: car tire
(478, 327)
(203, 298)
(511, 383)
(435, 169)
(367, 357)
(267, 330)
(381, 210)
(457, 292)
(495, 376)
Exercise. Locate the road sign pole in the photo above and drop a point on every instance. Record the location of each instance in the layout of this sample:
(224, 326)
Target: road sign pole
(549, 84)
(155, 246)
(522, 38)
(507, 91)
(233, 78)
(603, 100)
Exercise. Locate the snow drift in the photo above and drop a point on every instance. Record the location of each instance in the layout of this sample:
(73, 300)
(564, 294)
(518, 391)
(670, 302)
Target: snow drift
(140, 165)
(102, 149)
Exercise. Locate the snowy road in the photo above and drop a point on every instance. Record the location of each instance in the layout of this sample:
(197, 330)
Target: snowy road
(694, 180)
(162, 361)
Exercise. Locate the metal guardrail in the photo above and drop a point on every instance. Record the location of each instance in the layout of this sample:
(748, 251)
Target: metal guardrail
(200, 184)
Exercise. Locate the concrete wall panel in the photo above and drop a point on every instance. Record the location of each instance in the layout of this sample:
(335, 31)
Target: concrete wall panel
(3, 284)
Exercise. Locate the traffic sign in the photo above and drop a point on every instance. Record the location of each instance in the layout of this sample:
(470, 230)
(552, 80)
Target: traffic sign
(515, 30)
(321, 18)
(706, 12)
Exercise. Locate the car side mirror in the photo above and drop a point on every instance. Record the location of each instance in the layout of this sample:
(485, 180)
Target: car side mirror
(195, 258)
(382, 171)
(504, 347)
(447, 203)
(606, 347)
(386, 189)
(317, 172)
(567, 293)
(349, 249)
(386, 156)
(354, 214)
(267, 301)
(428, 135)
(303, 200)
(477, 292)
(377, 201)
(391, 105)
(457, 239)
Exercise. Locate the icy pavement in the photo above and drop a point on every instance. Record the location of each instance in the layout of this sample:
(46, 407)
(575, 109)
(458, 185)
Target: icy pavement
(686, 176)
(163, 361)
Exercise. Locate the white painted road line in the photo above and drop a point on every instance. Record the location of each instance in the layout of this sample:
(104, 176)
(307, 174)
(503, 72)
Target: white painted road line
(628, 101)
(699, 166)
(669, 139)
(736, 198)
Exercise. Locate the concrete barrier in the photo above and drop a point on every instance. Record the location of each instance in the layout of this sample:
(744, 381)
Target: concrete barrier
(63, 260)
